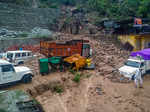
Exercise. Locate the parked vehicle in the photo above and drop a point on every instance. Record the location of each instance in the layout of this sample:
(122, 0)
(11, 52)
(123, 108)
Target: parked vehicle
(18, 57)
(69, 48)
(10, 74)
(74, 54)
(137, 60)
(74, 62)
(51, 64)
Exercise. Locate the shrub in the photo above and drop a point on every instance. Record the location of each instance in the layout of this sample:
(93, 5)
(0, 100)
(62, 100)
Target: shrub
(1, 110)
(24, 34)
(58, 89)
(72, 71)
(88, 75)
(77, 78)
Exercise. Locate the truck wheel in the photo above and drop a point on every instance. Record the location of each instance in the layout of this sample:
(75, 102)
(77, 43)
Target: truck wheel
(27, 78)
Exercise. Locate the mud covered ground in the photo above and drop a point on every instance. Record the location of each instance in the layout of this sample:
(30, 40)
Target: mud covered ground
(100, 90)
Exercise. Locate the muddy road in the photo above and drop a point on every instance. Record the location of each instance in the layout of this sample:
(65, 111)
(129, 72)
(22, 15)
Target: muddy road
(95, 92)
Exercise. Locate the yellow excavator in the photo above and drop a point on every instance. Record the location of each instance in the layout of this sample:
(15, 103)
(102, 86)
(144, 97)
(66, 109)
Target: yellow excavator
(79, 61)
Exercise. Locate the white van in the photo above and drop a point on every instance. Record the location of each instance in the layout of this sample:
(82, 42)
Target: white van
(19, 56)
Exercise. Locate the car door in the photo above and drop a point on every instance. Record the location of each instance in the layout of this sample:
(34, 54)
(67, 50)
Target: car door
(24, 56)
(18, 58)
(8, 73)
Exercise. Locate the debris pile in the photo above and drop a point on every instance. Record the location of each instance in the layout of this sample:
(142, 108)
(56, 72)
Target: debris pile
(39, 89)
(117, 77)
(108, 55)
(96, 90)
(107, 58)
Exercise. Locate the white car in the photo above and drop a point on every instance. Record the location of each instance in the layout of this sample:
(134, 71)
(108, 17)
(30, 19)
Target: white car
(10, 74)
(131, 65)
(18, 57)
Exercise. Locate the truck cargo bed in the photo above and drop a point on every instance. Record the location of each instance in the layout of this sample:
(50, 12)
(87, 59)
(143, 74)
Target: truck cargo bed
(69, 48)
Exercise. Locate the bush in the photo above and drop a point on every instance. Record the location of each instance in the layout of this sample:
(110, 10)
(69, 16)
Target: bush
(58, 89)
(77, 78)
(20, 2)
(1, 110)
(53, 6)
(43, 6)
(72, 71)
(88, 75)
(24, 34)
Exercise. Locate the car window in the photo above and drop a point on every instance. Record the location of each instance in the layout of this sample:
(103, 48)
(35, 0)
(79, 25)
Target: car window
(9, 55)
(7, 68)
(29, 54)
(17, 55)
(23, 54)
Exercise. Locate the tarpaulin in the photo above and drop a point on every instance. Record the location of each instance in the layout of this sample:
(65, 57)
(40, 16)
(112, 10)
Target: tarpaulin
(145, 54)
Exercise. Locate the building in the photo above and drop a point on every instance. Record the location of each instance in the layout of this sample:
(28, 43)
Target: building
(134, 37)
(135, 42)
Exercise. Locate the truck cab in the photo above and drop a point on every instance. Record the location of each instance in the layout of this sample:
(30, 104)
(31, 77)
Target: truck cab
(131, 65)
(10, 74)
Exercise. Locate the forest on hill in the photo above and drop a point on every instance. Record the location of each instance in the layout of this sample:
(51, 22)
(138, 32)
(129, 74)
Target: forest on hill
(116, 9)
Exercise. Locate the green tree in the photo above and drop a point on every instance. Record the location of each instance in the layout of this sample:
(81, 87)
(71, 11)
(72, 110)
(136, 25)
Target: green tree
(117, 8)
(129, 7)
(144, 8)
(99, 5)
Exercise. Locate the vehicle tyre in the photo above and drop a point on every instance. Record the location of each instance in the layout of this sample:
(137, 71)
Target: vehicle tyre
(27, 78)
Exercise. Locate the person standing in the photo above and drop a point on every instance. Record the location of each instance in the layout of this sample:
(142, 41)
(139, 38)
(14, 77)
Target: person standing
(138, 78)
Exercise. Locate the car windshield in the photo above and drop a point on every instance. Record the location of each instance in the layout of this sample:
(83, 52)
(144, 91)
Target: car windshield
(9, 55)
(133, 64)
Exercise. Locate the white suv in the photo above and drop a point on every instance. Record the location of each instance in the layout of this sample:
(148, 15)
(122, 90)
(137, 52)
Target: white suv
(10, 74)
(19, 56)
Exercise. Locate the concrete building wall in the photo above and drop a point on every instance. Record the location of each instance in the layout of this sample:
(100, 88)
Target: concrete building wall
(139, 42)
(128, 38)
